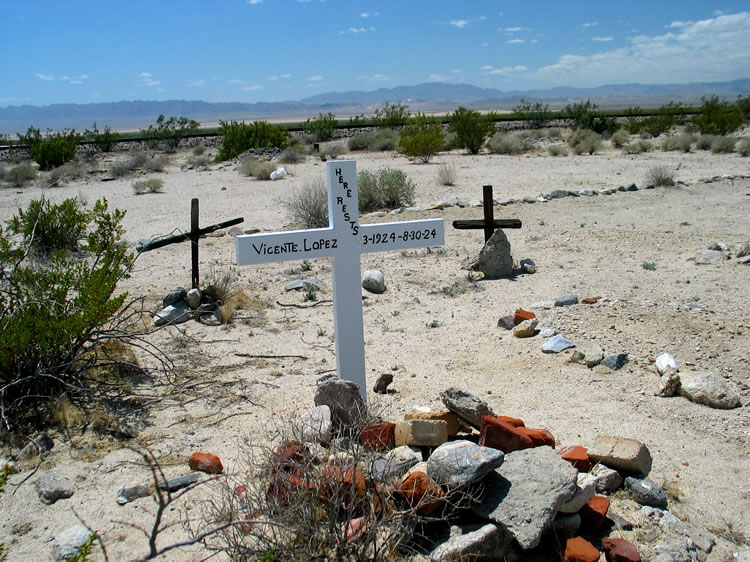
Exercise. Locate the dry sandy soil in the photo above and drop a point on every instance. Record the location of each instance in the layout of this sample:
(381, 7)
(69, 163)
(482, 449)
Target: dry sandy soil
(433, 328)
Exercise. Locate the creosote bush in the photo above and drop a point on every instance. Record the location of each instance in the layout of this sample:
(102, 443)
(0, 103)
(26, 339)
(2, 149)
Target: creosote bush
(638, 146)
(392, 115)
(537, 115)
(308, 206)
(322, 127)
(69, 171)
(505, 143)
(53, 149)
(681, 143)
(660, 176)
(237, 137)
(103, 140)
(169, 132)
(292, 155)
(46, 227)
(387, 188)
(152, 185)
(723, 144)
(422, 138)
(704, 142)
(717, 117)
(472, 129)
(20, 175)
(620, 138)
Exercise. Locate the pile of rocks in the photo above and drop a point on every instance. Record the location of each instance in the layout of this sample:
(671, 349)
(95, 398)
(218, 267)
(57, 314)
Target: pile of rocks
(181, 305)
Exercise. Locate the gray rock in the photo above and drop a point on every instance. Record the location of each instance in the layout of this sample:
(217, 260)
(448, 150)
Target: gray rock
(543, 305)
(585, 490)
(38, 445)
(307, 284)
(384, 380)
(472, 542)
(374, 281)
(495, 258)
(631, 187)
(506, 322)
(394, 464)
(707, 389)
(315, 424)
(588, 353)
(547, 333)
(646, 492)
(458, 463)
(606, 479)
(742, 250)
(528, 265)
(619, 521)
(558, 194)
(465, 405)
(210, 318)
(52, 487)
(566, 300)
(174, 295)
(566, 525)
(126, 495)
(608, 191)
(665, 360)
(462, 203)
(180, 482)
(587, 192)
(236, 231)
(68, 543)
(176, 313)
(524, 494)
(721, 246)
(710, 257)
(615, 361)
(193, 298)
(526, 329)
(556, 344)
(342, 397)
(745, 260)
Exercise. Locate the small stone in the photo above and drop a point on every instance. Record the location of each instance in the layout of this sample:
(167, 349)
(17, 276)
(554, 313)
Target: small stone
(394, 464)
(176, 313)
(506, 322)
(126, 495)
(521, 315)
(342, 397)
(558, 194)
(528, 265)
(180, 482)
(566, 525)
(631, 187)
(465, 405)
(621, 453)
(566, 300)
(587, 353)
(620, 550)
(475, 541)
(526, 329)
(546, 333)
(587, 192)
(374, 281)
(381, 385)
(546, 305)
(495, 258)
(315, 424)
(665, 360)
(459, 463)
(607, 479)
(206, 462)
(52, 487)
(646, 492)
(615, 361)
(68, 543)
(193, 298)
(590, 300)
(210, 318)
(707, 389)
(174, 295)
(38, 445)
(556, 344)
(710, 257)
(579, 549)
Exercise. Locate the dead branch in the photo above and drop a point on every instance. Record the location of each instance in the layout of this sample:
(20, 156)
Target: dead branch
(313, 305)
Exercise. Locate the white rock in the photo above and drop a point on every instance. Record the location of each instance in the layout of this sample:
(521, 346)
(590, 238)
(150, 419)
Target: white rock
(665, 360)
(585, 490)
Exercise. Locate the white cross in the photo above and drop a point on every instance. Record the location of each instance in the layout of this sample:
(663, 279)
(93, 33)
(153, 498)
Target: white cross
(343, 240)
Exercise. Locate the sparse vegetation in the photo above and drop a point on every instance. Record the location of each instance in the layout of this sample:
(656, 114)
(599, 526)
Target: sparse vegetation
(292, 155)
(387, 188)
(198, 149)
(124, 167)
(586, 116)
(237, 137)
(649, 266)
(103, 140)
(743, 147)
(364, 141)
(557, 150)
(660, 176)
(156, 162)
(392, 115)
(169, 132)
(681, 143)
(584, 141)
(152, 185)
(422, 138)
(446, 174)
(537, 115)
(723, 144)
(505, 143)
(704, 142)
(386, 139)
(322, 127)
(638, 146)
(20, 175)
(717, 117)
(261, 169)
(70, 171)
(620, 138)
(472, 129)
(308, 205)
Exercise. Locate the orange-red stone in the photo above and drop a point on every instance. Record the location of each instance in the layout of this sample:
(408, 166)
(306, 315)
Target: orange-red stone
(579, 549)
(577, 456)
(594, 512)
(291, 457)
(501, 435)
(620, 550)
(378, 436)
(343, 484)
(520, 315)
(420, 491)
(206, 462)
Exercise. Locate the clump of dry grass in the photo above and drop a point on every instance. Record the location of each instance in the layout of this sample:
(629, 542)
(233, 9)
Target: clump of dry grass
(446, 174)
(152, 185)
(660, 176)
(308, 205)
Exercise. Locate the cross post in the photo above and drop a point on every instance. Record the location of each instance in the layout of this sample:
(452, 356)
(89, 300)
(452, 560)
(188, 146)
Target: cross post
(343, 240)
(489, 224)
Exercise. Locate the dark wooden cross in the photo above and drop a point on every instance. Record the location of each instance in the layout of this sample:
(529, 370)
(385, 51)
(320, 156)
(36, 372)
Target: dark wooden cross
(489, 224)
(193, 235)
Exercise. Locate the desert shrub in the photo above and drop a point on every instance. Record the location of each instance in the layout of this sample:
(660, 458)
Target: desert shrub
(660, 176)
(537, 115)
(717, 117)
(152, 185)
(620, 138)
(446, 174)
(198, 149)
(557, 150)
(387, 188)
(199, 161)
(472, 128)
(51, 150)
(292, 155)
(662, 121)
(553, 133)
(124, 167)
(450, 141)
(20, 175)
(677, 143)
(335, 149)
(237, 137)
(505, 143)
(723, 144)
(322, 127)
(169, 132)
(308, 205)
(392, 115)
(155, 162)
(364, 141)
(743, 147)
(386, 139)
(422, 138)
(638, 146)
(54, 309)
(68, 171)
(263, 170)
(584, 141)
(248, 165)
(704, 142)
(103, 140)
(744, 104)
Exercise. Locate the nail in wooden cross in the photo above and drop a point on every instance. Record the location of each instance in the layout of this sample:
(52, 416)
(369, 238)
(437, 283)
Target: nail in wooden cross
(344, 240)
(489, 223)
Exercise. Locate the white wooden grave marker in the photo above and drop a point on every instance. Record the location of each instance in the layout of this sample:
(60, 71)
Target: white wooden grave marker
(344, 240)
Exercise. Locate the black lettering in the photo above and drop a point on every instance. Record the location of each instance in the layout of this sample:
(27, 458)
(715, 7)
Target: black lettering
(346, 185)
(356, 230)
(335, 243)
(257, 249)
(348, 192)
(339, 200)
(338, 171)
(347, 217)
(341, 179)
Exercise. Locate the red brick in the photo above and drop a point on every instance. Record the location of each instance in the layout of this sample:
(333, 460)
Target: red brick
(206, 462)
(291, 457)
(577, 456)
(594, 512)
(420, 491)
(501, 435)
(343, 484)
(378, 436)
(579, 549)
(589, 300)
(285, 485)
(515, 422)
(620, 550)
(520, 315)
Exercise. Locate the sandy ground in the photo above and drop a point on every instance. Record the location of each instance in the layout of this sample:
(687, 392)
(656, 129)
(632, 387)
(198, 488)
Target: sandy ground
(429, 340)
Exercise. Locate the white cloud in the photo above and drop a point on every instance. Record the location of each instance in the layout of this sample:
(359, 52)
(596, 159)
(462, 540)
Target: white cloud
(591, 24)
(75, 82)
(515, 41)
(145, 75)
(63, 78)
(369, 15)
(459, 23)
(315, 78)
(718, 49)
(375, 78)
(439, 78)
(279, 76)
(235, 81)
(602, 39)
(196, 83)
(254, 2)
(677, 24)
(513, 29)
(356, 30)
(489, 69)
(44, 76)
(252, 88)
(485, 44)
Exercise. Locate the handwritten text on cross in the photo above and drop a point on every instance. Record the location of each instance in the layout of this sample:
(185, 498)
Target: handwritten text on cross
(344, 240)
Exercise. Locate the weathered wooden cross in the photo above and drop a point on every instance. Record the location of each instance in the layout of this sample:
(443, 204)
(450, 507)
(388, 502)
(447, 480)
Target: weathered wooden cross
(344, 240)
(490, 223)
(194, 236)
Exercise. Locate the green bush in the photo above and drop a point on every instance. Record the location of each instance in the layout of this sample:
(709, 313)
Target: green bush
(387, 188)
(46, 227)
(584, 141)
(505, 143)
(54, 310)
(620, 138)
(237, 137)
(103, 140)
(472, 128)
(743, 147)
(678, 143)
(392, 115)
(422, 138)
(537, 115)
(20, 175)
(717, 117)
(322, 127)
(308, 206)
(386, 139)
(585, 116)
(557, 150)
(364, 141)
(152, 185)
(51, 150)
(169, 132)
(723, 144)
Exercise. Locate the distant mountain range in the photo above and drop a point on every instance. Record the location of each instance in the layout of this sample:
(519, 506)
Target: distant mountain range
(435, 97)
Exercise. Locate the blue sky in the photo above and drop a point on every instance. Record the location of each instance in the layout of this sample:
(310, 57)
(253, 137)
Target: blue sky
(64, 51)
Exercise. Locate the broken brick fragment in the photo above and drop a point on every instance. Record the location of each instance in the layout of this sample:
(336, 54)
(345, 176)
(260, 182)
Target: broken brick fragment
(206, 462)
(343, 484)
(378, 436)
(577, 456)
(579, 549)
(594, 512)
(420, 491)
(501, 435)
(520, 315)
